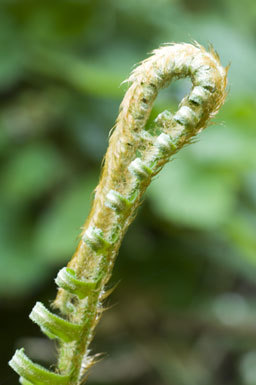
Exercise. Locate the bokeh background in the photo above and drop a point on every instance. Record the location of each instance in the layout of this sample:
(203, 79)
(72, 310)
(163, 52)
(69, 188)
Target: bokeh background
(184, 312)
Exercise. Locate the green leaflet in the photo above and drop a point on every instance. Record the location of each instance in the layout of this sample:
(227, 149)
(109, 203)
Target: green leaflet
(117, 202)
(140, 169)
(186, 117)
(54, 326)
(93, 237)
(165, 144)
(33, 373)
(66, 279)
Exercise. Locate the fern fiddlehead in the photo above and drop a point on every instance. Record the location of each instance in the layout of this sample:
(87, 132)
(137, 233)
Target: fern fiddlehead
(134, 156)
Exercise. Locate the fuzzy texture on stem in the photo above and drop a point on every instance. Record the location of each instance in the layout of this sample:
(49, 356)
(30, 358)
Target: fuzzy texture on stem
(134, 156)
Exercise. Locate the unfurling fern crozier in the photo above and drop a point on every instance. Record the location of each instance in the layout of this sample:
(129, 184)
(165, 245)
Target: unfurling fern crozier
(125, 177)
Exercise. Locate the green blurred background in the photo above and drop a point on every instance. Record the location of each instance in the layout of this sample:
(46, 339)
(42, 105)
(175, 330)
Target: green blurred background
(184, 312)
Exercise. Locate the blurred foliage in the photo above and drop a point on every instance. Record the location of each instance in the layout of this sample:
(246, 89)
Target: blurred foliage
(186, 305)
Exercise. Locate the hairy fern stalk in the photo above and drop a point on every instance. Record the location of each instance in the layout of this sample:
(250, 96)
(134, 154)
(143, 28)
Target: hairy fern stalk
(134, 156)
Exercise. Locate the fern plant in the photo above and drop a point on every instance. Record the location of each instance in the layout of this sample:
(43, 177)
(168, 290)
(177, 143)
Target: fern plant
(134, 156)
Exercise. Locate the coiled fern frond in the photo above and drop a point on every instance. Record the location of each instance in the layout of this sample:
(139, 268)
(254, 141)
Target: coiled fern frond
(134, 156)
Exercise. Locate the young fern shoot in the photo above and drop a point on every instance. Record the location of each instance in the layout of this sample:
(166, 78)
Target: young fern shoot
(125, 177)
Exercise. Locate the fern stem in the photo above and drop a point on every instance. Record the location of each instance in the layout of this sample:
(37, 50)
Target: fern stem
(134, 156)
